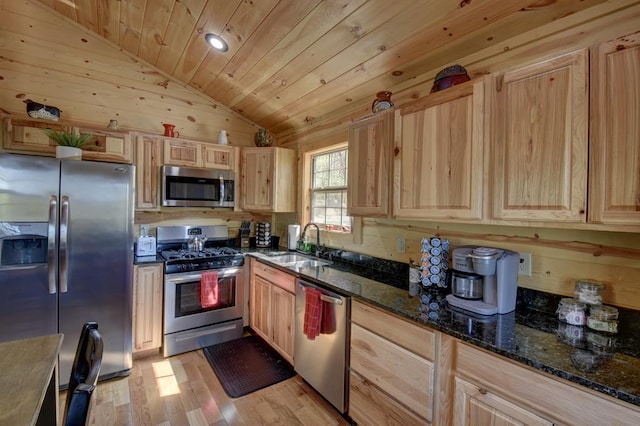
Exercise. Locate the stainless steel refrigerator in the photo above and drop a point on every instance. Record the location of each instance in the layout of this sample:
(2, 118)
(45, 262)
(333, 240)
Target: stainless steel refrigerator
(66, 254)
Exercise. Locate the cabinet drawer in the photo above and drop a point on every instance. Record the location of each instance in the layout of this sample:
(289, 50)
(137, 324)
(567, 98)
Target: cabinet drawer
(368, 405)
(398, 372)
(417, 339)
(539, 392)
(274, 276)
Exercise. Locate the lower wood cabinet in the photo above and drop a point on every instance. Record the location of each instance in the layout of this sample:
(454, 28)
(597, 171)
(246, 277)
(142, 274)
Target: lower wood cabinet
(493, 391)
(272, 304)
(147, 307)
(391, 369)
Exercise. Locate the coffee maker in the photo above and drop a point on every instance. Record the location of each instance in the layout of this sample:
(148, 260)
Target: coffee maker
(484, 280)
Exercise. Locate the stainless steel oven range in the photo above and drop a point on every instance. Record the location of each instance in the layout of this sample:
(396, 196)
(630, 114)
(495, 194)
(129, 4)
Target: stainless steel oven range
(189, 252)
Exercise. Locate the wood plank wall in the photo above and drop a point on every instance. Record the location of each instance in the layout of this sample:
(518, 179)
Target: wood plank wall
(559, 256)
(54, 61)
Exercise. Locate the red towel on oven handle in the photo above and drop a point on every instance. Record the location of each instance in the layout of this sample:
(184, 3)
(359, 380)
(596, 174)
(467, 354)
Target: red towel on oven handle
(312, 313)
(209, 289)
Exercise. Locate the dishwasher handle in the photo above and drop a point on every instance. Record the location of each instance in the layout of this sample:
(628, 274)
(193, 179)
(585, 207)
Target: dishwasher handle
(324, 297)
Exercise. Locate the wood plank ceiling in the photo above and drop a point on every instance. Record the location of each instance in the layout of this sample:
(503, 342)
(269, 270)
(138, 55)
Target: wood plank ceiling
(291, 62)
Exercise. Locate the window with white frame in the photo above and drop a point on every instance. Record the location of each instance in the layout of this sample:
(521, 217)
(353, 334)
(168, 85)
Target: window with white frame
(329, 190)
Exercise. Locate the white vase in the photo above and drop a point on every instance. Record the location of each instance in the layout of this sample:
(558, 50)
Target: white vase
(69, 152)
(222, 137)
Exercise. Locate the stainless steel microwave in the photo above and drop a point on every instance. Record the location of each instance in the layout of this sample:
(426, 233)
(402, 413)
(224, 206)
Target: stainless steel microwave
(195, 187)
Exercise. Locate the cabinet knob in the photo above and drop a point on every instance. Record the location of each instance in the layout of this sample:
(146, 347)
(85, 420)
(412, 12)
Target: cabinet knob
(483, 391)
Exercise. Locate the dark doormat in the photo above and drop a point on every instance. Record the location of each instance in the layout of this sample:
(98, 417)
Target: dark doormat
(246, 365)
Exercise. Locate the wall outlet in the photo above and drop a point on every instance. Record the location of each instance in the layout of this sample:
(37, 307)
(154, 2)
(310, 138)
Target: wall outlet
(402, 245)
(144, 229)
(524, 267)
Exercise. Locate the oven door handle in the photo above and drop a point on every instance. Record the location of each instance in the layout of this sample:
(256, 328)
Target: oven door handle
(190, 277)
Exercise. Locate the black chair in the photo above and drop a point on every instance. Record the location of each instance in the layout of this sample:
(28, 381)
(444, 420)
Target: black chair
(84, 375)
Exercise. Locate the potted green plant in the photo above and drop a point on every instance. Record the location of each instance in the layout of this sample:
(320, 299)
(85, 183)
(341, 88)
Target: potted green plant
(70, 142)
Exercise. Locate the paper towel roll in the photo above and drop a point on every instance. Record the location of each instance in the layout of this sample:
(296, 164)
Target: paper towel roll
(293, 236)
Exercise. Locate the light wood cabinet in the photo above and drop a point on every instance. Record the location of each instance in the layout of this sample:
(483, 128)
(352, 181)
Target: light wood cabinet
(272, 307)
(180, 152)
(27, 136)
(439, 158)
(540, 141)
(220, 157)
(147, 307)
(391, 369)
(475, 405)
(370, 161)
(502, 392)
(148, 162)
(268, 179)
(614, 165)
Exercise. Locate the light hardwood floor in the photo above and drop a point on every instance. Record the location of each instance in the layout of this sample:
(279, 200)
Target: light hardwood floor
(183, 390)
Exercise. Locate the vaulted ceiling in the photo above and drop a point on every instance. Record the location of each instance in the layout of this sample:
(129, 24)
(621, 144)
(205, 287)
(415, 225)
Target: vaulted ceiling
(295, 61)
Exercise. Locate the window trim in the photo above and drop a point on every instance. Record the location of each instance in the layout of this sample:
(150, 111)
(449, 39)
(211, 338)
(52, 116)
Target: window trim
(327, 189)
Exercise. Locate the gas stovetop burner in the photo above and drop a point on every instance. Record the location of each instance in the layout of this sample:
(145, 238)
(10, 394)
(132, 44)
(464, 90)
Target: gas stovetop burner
(208, 253)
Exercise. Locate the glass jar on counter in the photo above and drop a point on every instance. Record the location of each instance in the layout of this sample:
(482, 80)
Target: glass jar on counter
(603, 318)
(589, 291)
(572, 311)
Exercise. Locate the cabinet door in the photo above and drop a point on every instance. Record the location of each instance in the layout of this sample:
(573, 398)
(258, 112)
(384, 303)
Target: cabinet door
(108, 146)
(399, 373)
(256, 186)
(475, 405)
(260, 306)
(147, 307)
(218, 156)
(148, 162)
(182, 153)
(614, 166)
(440, 157)
(540, 141)
(370, 162)
(283, 307)
(29, 136)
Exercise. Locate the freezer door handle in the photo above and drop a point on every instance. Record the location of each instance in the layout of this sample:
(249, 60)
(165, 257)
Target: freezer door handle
(324, 297)
(51, 246)
(64, 248)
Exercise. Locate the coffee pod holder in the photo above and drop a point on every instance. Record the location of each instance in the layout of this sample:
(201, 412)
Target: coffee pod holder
(263, 234)
(434, 263)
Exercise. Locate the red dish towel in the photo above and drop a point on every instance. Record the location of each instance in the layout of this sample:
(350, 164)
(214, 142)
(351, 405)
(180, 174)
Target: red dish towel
(312, 313)
(328, 323)
(209, 289)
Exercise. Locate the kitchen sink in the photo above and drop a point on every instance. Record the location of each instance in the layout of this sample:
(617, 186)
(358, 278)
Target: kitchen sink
(298, 261)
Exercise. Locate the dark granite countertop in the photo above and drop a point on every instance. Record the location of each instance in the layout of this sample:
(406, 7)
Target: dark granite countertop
(145, 260)
(610, 365)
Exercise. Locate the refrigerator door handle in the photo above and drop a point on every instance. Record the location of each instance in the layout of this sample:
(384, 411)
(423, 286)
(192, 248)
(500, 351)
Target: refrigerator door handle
(51, 246)
(64, 249)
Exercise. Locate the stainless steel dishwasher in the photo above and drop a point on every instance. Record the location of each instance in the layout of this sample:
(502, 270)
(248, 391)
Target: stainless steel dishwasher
(322, 362)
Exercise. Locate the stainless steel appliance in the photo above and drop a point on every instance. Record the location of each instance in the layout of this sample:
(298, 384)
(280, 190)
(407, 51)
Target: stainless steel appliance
(66, 238)
(194, 187)
(323, 361)
(187, 324)
(484, 280)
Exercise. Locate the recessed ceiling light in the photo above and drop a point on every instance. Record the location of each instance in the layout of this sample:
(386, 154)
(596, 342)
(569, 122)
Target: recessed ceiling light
(216, 42)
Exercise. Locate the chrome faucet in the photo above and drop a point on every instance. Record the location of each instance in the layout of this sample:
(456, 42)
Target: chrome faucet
(304, 232)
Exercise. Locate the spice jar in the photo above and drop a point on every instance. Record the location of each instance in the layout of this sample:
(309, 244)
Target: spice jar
(603, 318)
(589, 291)
(572, 311)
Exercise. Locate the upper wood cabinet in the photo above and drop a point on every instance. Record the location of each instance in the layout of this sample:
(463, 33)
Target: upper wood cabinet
(268, 179)
(439, 159)
(370, 161)
(614, 165)
(181, 152)
(540, 144)
(221, 157)
(29, 137)
(148, 162)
